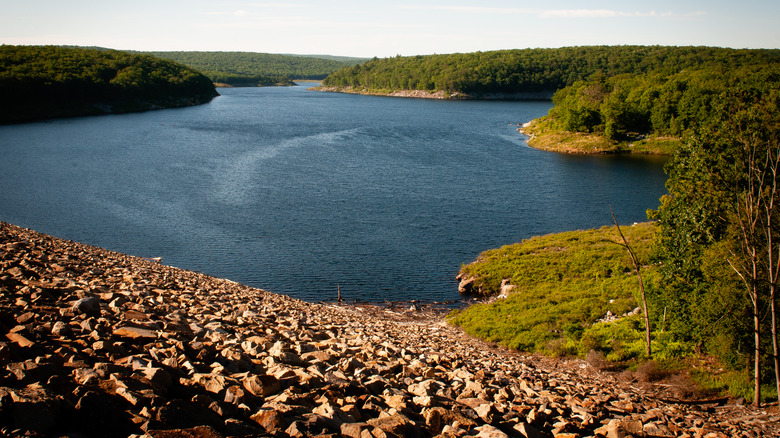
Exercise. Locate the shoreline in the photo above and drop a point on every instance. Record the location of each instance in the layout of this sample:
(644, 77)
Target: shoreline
(417, 94)
(443, 95)
(102, 344)
(592, 144)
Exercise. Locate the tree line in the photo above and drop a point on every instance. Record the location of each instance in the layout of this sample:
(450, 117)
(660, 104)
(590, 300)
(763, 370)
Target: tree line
(51, 81)
(258, 69)
(533, 70)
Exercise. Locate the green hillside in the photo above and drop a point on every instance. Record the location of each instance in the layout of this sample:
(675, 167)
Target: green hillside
(40, 82)
(506, 72)
(258, 69)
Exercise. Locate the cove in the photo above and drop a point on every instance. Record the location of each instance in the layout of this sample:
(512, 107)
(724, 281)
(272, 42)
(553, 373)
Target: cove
(300, 192)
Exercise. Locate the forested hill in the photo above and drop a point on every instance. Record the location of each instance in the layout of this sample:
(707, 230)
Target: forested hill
(508, 72)
(40, 82)
(259, 69)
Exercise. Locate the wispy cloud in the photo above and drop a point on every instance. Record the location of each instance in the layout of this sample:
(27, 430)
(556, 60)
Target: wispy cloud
(471, 9)
(551, 13)
(598, 13)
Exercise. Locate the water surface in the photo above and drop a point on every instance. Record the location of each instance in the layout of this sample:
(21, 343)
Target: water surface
(300, 192)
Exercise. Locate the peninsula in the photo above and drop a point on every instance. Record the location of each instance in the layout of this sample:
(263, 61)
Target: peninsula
(43, 82)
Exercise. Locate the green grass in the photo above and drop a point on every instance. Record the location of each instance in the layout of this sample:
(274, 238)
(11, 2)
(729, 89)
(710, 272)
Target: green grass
(564, 283)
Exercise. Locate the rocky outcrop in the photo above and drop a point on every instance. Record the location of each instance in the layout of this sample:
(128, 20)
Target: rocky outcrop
(95, 343)
(418, 94)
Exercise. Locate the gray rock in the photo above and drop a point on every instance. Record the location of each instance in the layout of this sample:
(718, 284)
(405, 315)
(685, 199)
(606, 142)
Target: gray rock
(88, 306)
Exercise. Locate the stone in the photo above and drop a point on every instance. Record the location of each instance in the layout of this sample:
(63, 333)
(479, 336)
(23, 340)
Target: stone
(60, 329)
(195, 432)
(234, 394)
(158, 376)
(614, 429)
(261, 385)
(35, 409)
(528, 431)
(85, 376)
(19, 340)
(353, 430)
(181, 354)
(397, 425)
(181, 414)
(488, 431)
(236, 427)
(270, 420)
(296, 430)
(97, 412)
(134, 333)
(88, 306)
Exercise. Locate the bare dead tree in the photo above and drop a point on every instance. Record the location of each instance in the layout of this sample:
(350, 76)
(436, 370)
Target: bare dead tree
(648, 349)
(749, 210)
(773, 263)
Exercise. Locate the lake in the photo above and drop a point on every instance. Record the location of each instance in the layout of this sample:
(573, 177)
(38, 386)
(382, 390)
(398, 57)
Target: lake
(302, 193)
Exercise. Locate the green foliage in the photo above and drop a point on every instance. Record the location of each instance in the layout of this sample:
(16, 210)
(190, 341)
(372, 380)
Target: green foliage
(736, 382)
(564, 283)
(534, 70)
(49, 81)
(629, 109)
(258, 69)
(619, 341)
(700, 242)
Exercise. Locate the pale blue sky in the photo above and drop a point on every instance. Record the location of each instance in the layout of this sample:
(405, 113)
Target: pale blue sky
(388, 28)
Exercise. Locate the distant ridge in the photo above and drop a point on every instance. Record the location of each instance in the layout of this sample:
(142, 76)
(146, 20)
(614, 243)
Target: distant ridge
(508, 72)
(259, 69)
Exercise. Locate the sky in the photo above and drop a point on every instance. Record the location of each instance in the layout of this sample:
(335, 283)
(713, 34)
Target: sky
(388, 28)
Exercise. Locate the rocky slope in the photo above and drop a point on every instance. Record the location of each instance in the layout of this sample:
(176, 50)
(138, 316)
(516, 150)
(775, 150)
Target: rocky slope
(95, 343)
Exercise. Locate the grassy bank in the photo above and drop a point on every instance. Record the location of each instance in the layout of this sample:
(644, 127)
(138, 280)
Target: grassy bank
(562, 285)
(558, 291)
(543, 136)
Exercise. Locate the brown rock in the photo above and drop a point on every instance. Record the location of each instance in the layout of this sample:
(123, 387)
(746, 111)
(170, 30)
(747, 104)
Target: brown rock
(353, 430)
(397, 424)
(60, 329)
(19, 340)
(195, 432)
(234, 394)
(270, 420)
(236, 427)
(488, 431)
(528, 431)
(261, 385)
(158, 376)
(24, 318)
(134, 333)
(182, 414)
(296, 430)
(34, 409)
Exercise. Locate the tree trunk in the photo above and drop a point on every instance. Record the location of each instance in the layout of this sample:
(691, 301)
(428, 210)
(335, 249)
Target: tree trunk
(648, 348)
(774, 344)
(757, 357)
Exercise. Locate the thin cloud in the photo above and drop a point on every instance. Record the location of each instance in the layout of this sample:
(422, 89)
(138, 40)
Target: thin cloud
(548, 13)
(606, 13)
(471, 9)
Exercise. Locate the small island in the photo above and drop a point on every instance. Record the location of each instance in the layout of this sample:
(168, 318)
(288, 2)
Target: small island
(44, 82)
